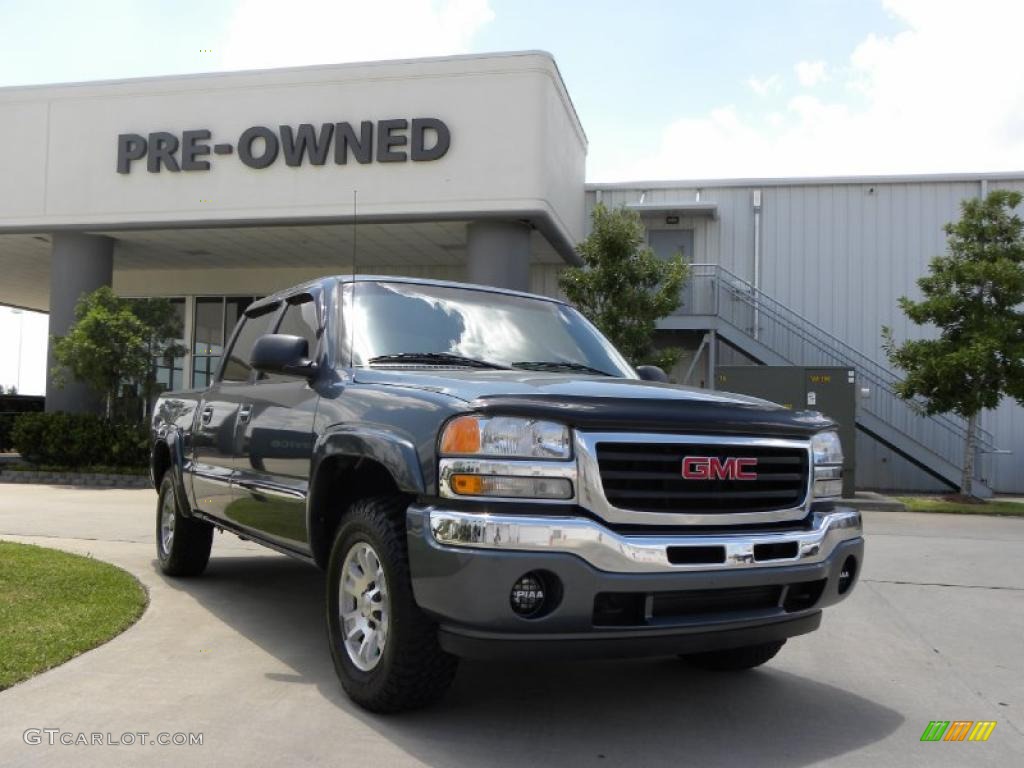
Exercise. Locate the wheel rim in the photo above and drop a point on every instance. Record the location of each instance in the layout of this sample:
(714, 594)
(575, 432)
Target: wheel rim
(167, 523)
(364, 606)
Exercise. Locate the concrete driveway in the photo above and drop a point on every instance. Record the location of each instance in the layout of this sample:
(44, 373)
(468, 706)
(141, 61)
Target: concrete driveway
(935, 631)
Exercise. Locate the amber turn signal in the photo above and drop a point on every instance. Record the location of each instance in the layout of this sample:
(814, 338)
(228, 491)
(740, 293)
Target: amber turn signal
(462, 435)
(467, 485)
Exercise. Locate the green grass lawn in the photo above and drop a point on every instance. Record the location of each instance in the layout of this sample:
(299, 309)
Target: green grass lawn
(939, 504)
(55, 605)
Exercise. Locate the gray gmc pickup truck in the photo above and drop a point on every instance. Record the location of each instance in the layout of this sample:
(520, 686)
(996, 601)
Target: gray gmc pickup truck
(481, 474)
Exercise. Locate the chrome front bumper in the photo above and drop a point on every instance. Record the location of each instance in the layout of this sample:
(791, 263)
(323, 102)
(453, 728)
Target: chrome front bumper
(609, 551)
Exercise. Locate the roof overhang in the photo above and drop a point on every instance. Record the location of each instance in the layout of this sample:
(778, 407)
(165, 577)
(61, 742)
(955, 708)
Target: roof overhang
(443, 139)
(691, 208)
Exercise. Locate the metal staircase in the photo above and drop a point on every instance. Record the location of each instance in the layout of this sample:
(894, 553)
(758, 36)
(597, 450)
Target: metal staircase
(771, 333)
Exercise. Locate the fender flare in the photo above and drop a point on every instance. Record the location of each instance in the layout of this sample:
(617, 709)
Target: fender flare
(174, 439)
(392, 449)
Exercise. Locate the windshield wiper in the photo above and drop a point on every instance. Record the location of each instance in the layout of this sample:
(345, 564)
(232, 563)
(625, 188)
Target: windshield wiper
(434, 358)
(559, 365)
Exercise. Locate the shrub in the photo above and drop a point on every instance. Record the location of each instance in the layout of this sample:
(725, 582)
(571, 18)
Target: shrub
(79, 440)
(6, 426)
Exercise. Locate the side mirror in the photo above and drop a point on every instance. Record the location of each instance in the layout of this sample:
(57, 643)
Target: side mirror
(281, 353)
(651, 373)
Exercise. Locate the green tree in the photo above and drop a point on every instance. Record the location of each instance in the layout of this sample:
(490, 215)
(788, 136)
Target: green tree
(623, 287)
(973, 295)
(163, 326)
(114, 343)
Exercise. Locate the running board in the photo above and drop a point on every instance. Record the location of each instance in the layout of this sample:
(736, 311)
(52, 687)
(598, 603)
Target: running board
(247, 535)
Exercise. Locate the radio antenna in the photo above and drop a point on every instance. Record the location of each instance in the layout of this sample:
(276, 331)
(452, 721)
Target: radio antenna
(352, 314)
(355, 209)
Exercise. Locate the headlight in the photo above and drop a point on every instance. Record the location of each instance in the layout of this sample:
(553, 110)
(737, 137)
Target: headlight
(505, 436)
(826, 448)
(828, 465)
(506, 457)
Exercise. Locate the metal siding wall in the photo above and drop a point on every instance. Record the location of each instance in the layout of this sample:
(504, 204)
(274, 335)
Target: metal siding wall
(842, 255)
(729, 241)
(880, 469)
(1006, 472)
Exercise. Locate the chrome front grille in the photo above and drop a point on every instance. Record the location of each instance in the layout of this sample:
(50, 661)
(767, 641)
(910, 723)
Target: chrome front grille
(649, 477)
(636, 479)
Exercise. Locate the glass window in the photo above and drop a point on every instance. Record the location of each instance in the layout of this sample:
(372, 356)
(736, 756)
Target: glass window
(207, 339)
(234, 307)
(170, 372)
(396, 319)
(301, 320)
(214, 321)
(237, 367)
(209, 326)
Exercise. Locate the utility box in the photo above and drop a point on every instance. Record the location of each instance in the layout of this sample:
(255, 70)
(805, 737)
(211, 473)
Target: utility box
(831, 390)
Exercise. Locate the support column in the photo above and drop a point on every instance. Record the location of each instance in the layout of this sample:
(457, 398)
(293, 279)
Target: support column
(498, 254)
(79, 264)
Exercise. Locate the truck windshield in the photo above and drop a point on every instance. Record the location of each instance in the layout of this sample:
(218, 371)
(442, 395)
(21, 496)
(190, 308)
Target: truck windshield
(399, 324)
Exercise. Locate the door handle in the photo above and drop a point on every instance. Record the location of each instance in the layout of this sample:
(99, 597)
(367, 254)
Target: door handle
(245, 413)
(207, 414)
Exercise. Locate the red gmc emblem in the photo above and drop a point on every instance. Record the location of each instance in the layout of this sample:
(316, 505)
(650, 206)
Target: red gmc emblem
(714, 468)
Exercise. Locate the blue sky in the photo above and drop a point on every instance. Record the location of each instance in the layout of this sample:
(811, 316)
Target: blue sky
(665, 90)
(679, 89)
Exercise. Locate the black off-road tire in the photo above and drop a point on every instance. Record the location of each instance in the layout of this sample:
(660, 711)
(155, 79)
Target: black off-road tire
(411, 671)
(189, 550)
(735, 659)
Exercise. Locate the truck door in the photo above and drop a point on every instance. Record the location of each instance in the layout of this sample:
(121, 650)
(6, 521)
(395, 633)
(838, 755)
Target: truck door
(275, 439)
(213, 439)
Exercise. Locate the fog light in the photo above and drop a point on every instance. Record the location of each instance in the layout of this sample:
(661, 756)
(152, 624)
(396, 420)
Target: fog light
(847, 574)
(529, 595)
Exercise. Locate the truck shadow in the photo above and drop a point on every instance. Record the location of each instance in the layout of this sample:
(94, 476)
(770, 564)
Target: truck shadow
(648, 712)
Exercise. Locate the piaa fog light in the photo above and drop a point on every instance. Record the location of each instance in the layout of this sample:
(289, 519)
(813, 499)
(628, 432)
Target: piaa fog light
(847, 574)
(528, 595)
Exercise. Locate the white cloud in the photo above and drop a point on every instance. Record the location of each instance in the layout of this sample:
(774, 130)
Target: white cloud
(332, 31)
(810, 73)
(945, 94)
(765, 86)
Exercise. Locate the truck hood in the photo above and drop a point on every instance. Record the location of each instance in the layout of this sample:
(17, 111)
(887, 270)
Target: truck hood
(599, 402)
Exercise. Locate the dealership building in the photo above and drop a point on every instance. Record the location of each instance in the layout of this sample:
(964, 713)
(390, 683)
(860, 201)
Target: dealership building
(215, 189)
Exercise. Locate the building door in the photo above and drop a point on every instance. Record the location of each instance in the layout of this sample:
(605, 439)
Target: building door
(275, 440)
(666, 243)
